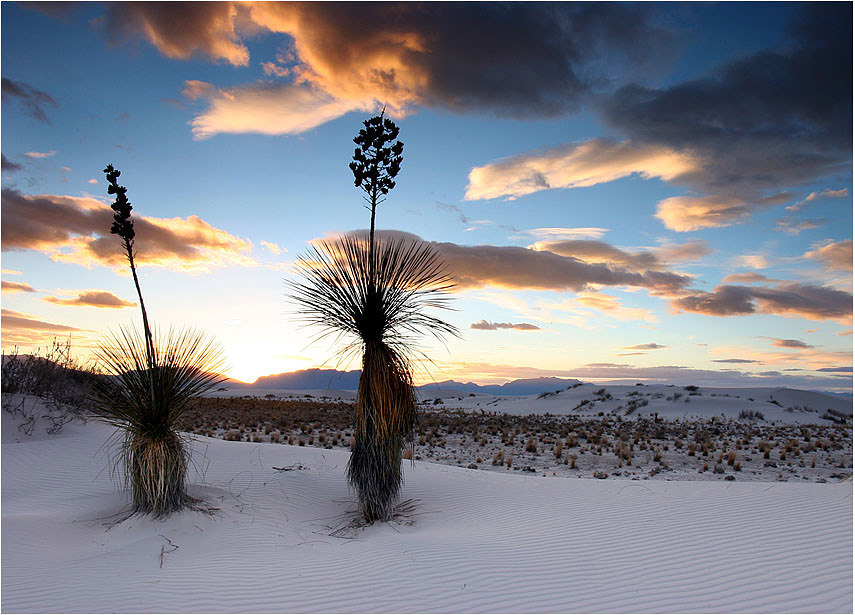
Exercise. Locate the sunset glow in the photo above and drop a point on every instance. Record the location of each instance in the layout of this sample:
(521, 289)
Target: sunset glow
(646, 192)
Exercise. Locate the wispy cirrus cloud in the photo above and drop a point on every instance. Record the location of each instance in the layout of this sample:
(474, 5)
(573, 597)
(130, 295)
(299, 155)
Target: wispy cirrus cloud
(692, 213)
(39, 155)
(649, 346)
(835, 256)
(32, 100)
(658, 258)
(92, 298)
(828, 193)
(748, 277)
(484, 325)
(23, 329)
(270, 109)
(16, 287)
(76, 230)
(565, 234)
(790, 343)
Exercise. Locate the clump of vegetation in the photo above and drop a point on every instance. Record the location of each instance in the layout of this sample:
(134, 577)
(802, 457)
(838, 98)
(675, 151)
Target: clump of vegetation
(56, 376)
(376, 293)
(152, 380)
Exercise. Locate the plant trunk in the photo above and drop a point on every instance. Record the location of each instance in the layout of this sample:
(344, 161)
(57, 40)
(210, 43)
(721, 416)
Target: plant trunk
(157, 467)
(385, 414)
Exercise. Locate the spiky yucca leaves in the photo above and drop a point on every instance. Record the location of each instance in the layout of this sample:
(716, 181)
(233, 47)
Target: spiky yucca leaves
(144, 397)
(379, 301)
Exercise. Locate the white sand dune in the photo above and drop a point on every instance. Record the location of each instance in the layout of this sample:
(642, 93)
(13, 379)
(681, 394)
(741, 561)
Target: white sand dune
(466, 541)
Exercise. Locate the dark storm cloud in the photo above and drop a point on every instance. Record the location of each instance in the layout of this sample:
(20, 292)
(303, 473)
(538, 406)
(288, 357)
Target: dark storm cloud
(760, 121)
(32, 100)
(515, 59)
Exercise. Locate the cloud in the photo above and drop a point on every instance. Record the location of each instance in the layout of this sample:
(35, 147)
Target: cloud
(272, 247)
(650, 346)
(519, 60)
(609, 306)
(755, 261)
(76, 230)
(31, 99)
(270, 109)
(572, 166)
(515, 267)
(842, 370)
(692, 213)
(783, 343)
(689, 251)
(91, 181)
(93, 298)
(523, 268)
(763, 120)
(735, 361)
(23, 329)
(834, 256)
(629, 374)
(180, 31)
(38, 155)
(16, 287)
(8, 165)
(483, 325)
(560, 233)
(786, 299)
(828, 193)
(793, 226)
(749, 277)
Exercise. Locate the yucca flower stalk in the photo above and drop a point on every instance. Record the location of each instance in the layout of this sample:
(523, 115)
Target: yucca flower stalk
(376, 294)
(380, 314)
(151, 380)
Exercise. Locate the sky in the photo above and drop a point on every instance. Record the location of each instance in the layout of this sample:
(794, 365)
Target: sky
(636, 192)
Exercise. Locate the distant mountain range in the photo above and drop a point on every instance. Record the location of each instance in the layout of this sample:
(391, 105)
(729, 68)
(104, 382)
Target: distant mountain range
(322, 379)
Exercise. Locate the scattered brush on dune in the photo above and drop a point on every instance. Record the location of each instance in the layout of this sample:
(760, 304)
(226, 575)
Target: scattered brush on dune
(151, 382)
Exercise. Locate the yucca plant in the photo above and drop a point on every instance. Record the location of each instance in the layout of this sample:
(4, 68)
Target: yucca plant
(376, 294)
(151, 380)
(144, 397)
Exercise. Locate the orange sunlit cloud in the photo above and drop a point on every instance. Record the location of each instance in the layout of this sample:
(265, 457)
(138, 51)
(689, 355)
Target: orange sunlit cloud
(574, 165)
(75, 230)
(834, 256)
(92, 298)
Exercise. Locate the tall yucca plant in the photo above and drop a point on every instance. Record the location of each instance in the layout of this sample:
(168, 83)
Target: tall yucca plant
(377, 295)
(153, 378)
(380, 315)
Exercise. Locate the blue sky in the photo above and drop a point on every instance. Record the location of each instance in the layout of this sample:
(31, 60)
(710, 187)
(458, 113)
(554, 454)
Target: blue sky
(622, 191)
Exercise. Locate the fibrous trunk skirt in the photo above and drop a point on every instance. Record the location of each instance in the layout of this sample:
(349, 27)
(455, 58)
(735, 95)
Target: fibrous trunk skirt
(385, 415)
(157, 467)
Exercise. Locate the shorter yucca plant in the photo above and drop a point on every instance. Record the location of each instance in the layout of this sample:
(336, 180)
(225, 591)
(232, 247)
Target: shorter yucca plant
(145, 402)
(150, 380)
